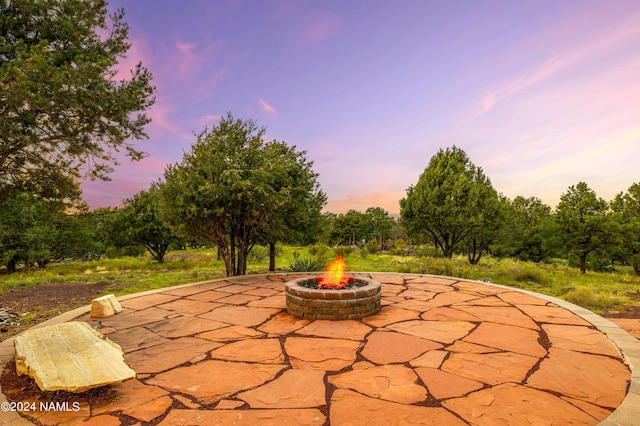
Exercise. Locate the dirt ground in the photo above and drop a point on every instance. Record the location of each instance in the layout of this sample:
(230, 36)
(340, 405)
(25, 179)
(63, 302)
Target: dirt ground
(23, 307)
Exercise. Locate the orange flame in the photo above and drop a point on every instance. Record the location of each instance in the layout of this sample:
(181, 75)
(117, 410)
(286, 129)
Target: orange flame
(335, 277)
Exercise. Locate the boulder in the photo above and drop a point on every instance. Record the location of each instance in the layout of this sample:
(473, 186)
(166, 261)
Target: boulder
(71, 356)
(105, 306)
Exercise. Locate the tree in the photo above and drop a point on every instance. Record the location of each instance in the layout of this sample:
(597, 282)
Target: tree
(62, 109)
(626, 207)
(491, 219)
(139, 222)
(381, 224)
(452, 199)
(27, 231)
(582, 222)
(299, 217)
(527, 232)
(232, 189)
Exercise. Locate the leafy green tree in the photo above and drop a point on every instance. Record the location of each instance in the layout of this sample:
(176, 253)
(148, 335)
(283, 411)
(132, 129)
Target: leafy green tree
(626, 207)
(583, 223)
(27, 232)
(232, 187)
(491, 221)
(139, 222)
(528, 230)
(63, 110)
(452, 199)
(297, 219)
(381, 225)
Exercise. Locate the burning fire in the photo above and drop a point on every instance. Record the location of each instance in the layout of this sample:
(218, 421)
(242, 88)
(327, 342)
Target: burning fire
(335, 277)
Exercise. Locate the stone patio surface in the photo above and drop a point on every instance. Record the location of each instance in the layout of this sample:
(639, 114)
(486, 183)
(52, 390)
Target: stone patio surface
(442, 351)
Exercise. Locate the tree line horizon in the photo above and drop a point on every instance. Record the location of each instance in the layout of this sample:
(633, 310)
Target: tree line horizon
(66, 112)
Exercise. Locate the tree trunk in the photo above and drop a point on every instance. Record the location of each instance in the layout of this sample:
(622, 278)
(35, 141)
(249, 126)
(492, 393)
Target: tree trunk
(272, 257)
(583, 263)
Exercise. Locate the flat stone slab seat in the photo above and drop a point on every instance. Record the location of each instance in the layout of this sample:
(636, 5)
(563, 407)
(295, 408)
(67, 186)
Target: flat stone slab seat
(71, 357)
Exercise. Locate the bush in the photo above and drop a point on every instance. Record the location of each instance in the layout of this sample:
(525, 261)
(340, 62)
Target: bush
(318, 250)
(521, 271)
(595, 300)
(258, 254)
(440, 266)
(427, 251)
(345, 250)
(372, 246)
(305, 264)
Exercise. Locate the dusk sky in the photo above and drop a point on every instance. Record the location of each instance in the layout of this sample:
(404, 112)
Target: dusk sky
(540, 94)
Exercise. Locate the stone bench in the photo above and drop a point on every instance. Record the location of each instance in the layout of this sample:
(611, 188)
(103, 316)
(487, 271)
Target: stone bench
(71, 357)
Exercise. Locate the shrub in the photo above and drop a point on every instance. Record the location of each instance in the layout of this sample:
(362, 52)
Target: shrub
(345, 250)
(318, 250)
(258, 254)
(305, 264)
(427, 251)
(372, 246)
(596, 300)
(521, 271)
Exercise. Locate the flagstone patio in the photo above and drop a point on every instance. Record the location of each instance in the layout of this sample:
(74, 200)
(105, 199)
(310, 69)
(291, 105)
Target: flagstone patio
(441, 351)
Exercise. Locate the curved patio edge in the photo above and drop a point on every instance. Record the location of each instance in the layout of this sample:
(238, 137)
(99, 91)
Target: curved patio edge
(627, 413)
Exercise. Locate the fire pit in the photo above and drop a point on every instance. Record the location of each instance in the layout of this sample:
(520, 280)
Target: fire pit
(334, 296)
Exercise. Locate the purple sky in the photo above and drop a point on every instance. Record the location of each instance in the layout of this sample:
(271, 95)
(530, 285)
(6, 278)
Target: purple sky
(540, 94)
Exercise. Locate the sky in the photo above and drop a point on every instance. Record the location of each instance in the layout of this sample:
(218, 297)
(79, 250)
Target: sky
(540, 94)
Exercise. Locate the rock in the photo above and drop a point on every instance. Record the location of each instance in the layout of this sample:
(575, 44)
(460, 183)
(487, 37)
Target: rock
(395, 383)
(105, 306)
(71, 357)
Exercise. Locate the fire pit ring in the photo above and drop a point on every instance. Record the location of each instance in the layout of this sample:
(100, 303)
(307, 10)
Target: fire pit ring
(360, 299)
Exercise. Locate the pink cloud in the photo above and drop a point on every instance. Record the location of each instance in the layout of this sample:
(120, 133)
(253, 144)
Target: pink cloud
(319, 29)
(138, 52)
(189, 63)
(267, 108)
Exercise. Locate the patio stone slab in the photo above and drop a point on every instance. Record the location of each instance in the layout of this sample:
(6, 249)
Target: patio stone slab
(168, 355)
(265, 351)
(581, 376)
(348, 329)
(581, 339)
(240, 315)
(389, 347)
(443, 332)
(288, 417)
(212, 380)
(229, 333)
(394, 383)
(282, 324)
(552, 315)
(443, 385)
(492, 368)
(322, 354)
(183, 326)
(389, 315)
(352, 408)
(509, 338)
(512, 404)
(501, 315)
(293, 389)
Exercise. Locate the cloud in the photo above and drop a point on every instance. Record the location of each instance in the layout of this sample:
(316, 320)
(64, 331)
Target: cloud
(189, 63)
(267, 108)
(138, 52)
(319, 29)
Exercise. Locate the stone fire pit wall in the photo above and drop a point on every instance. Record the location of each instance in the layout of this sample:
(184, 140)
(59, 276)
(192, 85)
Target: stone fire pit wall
(359, 301)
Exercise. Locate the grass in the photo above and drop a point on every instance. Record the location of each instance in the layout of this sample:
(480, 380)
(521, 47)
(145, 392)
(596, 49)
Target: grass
(601, 292)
